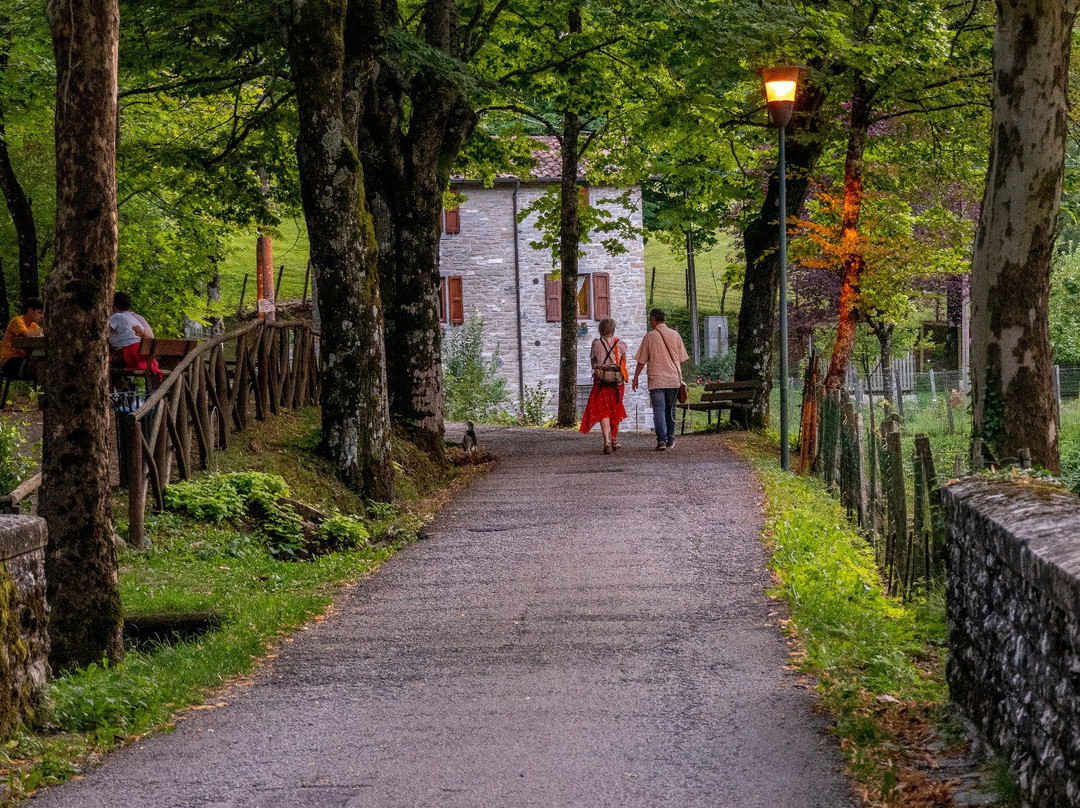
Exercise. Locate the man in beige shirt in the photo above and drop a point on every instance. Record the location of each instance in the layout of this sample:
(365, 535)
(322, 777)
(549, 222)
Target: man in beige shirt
(661, 356)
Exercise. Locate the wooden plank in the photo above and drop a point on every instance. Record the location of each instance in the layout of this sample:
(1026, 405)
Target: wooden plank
(200, 432)
(263, 377)
(181, 457)
(136, 474)
(225, 398)
(289, 399)
(152, 470)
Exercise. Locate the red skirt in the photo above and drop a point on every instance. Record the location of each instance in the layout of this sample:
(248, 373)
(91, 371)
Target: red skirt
(605, 401)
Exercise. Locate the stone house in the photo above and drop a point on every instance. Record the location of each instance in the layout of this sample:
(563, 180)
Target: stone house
(488, 267)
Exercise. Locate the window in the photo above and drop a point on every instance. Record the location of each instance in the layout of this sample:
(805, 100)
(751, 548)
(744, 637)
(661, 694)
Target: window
(452, 220)
(451, 300)
(593, 297)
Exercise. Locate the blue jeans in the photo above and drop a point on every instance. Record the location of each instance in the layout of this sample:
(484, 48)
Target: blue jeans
(663, 412)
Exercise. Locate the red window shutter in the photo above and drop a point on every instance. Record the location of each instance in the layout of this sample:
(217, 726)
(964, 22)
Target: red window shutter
(601, 291)
(457, 302)
(553, 293)
(442, 300)
(452, 221)
(583, 195)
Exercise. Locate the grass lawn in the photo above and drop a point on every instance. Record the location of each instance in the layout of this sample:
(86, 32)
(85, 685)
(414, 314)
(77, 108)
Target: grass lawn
(670, 287)
(290, 249)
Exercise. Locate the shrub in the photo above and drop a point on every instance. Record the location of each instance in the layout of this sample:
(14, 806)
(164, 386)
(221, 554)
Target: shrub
(16, 456)
(534, 405)
(717, 368)
(474, 391)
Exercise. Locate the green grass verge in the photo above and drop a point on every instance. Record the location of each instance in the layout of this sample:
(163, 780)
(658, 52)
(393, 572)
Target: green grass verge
(224, 568)
(879, 662)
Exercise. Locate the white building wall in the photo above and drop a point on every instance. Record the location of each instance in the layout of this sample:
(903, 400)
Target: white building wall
(483, 254)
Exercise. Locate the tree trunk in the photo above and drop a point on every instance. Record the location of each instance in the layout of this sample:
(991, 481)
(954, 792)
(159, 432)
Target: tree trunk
(851, 255)
(407, 168)
(569, 243)
(355, 415)
(1013, 395)
(761, 240)
(884, 332)
(18, 204)
(86, 619)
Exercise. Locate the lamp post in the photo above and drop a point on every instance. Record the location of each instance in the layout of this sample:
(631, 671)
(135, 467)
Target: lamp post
(780, 85)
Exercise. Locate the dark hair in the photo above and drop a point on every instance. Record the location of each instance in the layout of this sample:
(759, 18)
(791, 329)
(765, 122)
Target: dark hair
(33, 303)
(657, 314)
(121, 301)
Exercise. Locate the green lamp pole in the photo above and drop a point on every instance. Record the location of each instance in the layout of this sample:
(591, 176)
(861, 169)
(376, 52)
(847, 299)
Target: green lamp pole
(780, 85)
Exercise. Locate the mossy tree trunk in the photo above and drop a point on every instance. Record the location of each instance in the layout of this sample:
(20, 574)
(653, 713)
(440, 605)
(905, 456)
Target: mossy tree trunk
(569, 244)
(1011, 364)
(761, 240)
(80, 564)
(409, 127)
(355, 414)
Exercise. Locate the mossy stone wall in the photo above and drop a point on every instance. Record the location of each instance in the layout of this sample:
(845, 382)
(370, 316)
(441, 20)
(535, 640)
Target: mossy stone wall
(1013, 601)
(24, 621)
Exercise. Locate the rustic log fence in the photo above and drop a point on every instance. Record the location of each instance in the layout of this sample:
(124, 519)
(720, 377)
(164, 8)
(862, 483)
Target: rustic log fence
(256, 370)
(866, 468)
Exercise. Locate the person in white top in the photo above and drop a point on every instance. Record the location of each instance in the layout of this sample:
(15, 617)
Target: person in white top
(126, 331)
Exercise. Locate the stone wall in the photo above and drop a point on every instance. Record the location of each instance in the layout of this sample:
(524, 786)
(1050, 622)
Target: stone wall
(483, 254)
(1013, 599)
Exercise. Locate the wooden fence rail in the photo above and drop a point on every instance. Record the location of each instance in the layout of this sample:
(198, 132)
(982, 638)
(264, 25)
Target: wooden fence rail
(262, 367)
(186, 420)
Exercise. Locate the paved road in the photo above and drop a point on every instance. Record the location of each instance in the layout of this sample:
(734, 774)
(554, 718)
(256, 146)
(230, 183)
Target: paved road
(579, 631)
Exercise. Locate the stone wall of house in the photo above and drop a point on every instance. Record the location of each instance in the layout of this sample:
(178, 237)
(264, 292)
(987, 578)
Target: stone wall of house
(483, 254)
(24, 639)
(1013, 599)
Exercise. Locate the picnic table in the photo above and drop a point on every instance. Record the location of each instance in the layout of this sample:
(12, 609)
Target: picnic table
(35, 347)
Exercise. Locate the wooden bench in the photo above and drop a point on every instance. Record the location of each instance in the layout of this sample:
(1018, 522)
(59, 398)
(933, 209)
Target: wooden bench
(167, 352)
(720, 396)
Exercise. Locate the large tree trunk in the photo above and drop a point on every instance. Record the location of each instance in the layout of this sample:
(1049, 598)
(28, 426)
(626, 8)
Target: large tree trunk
(86, 620)
(18, 204)
(569, 243)
(1013, 398)
(761, 240)
(407, 168)
(355, 416)
(851, 254)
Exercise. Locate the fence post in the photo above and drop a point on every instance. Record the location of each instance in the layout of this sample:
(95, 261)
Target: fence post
(897, 503)
(136, 476)
(976, 455)
(898, 388)
(933, 388)
(1057, 394)
(949, 413)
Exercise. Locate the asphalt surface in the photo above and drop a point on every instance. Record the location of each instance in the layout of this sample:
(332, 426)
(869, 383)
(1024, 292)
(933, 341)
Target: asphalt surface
(579, 630)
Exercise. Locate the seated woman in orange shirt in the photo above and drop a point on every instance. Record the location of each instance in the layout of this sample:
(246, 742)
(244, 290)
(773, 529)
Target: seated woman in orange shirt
(14, 362)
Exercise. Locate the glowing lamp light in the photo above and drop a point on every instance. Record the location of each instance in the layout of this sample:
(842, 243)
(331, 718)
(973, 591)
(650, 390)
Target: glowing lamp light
(780, 86)
(780, 91)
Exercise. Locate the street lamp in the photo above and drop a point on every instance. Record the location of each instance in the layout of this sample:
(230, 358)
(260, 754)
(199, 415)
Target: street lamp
(780, 85)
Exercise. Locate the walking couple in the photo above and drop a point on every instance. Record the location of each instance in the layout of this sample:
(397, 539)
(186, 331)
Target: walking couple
(661, 356)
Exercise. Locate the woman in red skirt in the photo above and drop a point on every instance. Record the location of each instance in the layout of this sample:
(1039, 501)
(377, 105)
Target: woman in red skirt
(605, 404)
